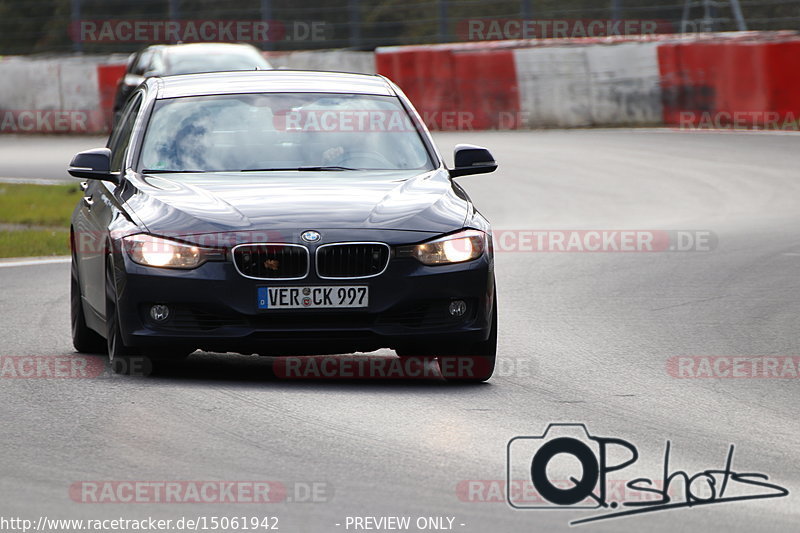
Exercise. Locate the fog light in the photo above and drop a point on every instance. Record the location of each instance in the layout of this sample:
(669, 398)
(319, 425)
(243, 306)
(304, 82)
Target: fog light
(458, 308)
(159, 312)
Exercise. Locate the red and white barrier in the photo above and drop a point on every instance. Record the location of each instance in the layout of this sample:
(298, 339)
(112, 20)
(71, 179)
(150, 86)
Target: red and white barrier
(514, 84)
(51, 95)
(745, 80)
(746, 83)
(76, 94)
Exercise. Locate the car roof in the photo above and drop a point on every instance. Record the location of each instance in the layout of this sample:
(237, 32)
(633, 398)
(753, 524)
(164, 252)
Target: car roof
(209, 48)
(271, 81)
(200, 47)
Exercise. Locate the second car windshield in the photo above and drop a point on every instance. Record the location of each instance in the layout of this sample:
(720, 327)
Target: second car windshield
(195, 62)
(281, 131)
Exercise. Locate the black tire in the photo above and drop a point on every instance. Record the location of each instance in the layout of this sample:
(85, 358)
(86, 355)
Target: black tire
(418, 364)
(124, 359)
(167, 354)
(161, 360)
(84, 339)
(474, 363)
(471, 363)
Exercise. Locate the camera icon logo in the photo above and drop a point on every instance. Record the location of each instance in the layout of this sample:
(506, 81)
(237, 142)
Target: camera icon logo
(566, 467)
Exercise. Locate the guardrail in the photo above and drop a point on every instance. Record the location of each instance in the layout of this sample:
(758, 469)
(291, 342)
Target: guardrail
(743, 79)
(740, 79)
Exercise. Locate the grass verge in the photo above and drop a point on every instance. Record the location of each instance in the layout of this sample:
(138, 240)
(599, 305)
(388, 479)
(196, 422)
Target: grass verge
(39, 205)
(34, 242)
(34, 219)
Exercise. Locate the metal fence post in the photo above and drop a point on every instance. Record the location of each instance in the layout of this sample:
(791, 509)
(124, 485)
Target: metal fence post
(172, 6)
(442, 21)
(687, 6)
(266, 16)
(527, 10)
(354, 7)
(174, 12)
(77, 38)
(737, 14)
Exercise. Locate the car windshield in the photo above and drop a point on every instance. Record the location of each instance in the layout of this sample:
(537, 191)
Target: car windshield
(282, 131)
(197, 62)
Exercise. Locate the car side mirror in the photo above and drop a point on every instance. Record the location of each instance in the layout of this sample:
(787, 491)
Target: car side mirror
(94, 165)
(471, 159)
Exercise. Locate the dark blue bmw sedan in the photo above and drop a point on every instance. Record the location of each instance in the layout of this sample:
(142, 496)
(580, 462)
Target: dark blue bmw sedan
(280, 213)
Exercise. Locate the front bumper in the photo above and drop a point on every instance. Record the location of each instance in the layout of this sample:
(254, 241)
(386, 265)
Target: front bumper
(214, 308)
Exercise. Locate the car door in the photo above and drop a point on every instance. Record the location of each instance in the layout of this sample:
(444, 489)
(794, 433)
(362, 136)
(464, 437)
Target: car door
(100, 208)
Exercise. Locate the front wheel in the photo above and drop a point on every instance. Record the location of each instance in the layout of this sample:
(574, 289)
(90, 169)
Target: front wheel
(124, 359)
(168, 354)
(84, 339)
(475, 364)
(467, 368)
(468, 363)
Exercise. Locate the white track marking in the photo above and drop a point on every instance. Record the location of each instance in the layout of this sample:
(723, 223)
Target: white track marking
(38, 181)
(4, 263)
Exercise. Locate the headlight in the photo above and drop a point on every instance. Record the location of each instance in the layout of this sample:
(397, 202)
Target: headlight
(459, 247)
(159, 252)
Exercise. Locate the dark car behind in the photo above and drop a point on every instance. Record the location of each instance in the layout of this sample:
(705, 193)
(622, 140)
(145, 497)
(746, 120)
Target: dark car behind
(194, 58)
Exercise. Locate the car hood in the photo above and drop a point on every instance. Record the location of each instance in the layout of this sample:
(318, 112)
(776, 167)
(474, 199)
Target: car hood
(216, 202)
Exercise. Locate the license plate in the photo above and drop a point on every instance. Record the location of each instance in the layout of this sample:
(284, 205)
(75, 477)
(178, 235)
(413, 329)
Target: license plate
(339, 296)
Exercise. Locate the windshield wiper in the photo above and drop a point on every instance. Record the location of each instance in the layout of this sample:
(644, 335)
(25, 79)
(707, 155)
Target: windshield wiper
(156, 171)
(299, 169)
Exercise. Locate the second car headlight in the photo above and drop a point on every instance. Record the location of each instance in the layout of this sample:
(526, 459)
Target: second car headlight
(154, 251)
(459, 247)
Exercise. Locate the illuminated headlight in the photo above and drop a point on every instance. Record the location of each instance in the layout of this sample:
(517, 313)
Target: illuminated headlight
(459, 247)
(159, 252)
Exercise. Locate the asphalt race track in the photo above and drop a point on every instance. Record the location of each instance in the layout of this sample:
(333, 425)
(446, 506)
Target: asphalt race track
(584, 337)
